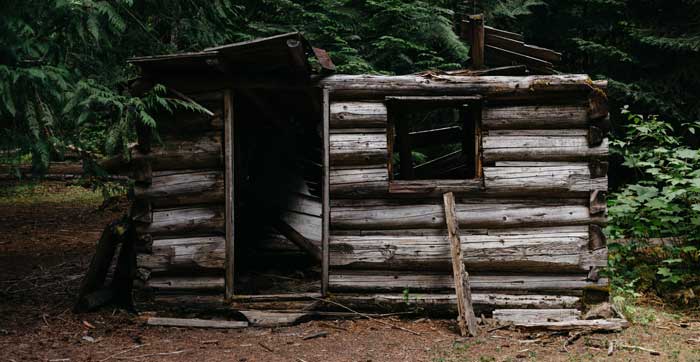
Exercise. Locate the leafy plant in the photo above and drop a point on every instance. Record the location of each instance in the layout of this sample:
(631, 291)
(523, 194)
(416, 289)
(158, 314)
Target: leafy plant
(660, 214)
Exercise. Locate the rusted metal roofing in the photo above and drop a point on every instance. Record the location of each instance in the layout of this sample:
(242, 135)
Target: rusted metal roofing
(280, 55)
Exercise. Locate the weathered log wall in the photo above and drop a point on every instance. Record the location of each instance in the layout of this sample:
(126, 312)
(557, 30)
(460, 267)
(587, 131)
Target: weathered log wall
(528, 225)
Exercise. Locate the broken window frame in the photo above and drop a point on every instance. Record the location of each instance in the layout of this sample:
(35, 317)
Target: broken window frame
(398, 105)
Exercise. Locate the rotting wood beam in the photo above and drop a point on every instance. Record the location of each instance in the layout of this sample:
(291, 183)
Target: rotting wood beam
(466, 318)
(229, 166)
(298, 239)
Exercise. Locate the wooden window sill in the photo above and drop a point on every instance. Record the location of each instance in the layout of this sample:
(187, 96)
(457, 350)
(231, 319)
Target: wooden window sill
(434, 186)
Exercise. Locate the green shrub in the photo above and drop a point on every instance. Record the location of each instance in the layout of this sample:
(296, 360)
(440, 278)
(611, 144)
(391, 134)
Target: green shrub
(659, 216)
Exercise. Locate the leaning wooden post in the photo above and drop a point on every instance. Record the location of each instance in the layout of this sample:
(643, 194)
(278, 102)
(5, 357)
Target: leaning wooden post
(466, 318)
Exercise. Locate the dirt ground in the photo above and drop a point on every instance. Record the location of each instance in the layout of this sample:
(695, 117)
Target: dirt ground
(47, 236)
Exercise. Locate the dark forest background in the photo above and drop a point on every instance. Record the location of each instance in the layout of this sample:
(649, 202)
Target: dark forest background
(63, 84)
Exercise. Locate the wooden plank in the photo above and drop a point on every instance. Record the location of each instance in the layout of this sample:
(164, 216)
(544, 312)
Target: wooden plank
(483, 302)
(195, 323)
(540, 145)
(506, 34)
(535, 117)
(536, 315)
(417, 281)
(344, 115)
(482, 215)
(187, 284)
(466, 318)
(561, 249)
(229, 163)
(606, 325)
(522, 48)
(325, 194)
(298, 239)
(500, 56)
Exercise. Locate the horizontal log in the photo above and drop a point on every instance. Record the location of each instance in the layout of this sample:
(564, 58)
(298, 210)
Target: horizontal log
(175, 222)
(187, 284)
(535, 117)
(535, 315)
(177, 189)
(492, 87)
(480, 215)
(358, 149)
(345, 115)
(202, 153)
(571, 178)
(189, 254)
(558, 249)
(387, 281)
(541, 145)
(482, 302)
(434, 187)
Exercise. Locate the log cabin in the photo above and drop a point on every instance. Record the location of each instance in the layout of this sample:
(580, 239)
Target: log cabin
(294, 183)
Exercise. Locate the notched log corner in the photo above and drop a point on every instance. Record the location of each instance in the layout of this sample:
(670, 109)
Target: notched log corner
(596, 237)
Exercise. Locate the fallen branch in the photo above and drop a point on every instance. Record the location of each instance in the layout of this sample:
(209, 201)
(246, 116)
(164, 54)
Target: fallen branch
(315, 335)
(367, 316)
(265, 347)
(638, 348)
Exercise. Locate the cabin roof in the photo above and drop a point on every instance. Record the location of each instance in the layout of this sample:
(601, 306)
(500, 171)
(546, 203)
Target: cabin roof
(280, 55)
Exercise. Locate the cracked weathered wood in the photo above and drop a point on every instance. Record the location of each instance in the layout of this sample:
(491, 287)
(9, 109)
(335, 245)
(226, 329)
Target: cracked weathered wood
(466, 318)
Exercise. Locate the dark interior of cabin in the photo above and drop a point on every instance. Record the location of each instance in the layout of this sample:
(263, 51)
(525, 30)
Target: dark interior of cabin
(277, 177)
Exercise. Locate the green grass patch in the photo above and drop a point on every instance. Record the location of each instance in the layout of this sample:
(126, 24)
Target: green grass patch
(47, 193)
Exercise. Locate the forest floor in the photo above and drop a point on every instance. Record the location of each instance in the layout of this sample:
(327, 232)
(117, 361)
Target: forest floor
(47, 236)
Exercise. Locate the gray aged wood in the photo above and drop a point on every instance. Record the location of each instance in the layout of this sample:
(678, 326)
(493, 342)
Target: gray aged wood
(195, 254)
(193, 284)
(230, 207)
(607, 325)
(541, 145)
(535, 117)
(344, 115)
(567, 178)
(194, 323)
(536, 315)
(326, 194)
(575, 86)
(482, 301)
(357, 149)
(466, 318)
(419, 281)
(479, 215)
(561, 249)
(204, 152)
(178, 222)
(187, 188)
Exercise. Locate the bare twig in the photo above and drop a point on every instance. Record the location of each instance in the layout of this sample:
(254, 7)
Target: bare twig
(153, 354)
(368, 317)
(122, 352)
(638, 348)
(265, 347)
(315, 335)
